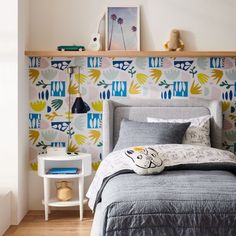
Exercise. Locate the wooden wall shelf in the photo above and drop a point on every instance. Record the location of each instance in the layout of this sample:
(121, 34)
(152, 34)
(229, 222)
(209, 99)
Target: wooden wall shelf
(132, 54)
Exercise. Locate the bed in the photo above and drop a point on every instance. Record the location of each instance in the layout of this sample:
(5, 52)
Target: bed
(184, 199)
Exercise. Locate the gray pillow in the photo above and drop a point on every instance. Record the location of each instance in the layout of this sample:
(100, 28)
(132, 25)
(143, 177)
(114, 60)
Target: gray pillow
(133, 133)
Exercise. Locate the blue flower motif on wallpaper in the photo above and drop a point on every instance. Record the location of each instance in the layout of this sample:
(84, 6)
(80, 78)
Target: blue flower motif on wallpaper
(119, 88)
(94, 120)
(122, 64)
(180, 89)
(58, 88)
(60, 64)
(58, 144)
(106, 94)
(217, 62)
(44, 95)
(94, 62)
(34, 62)
(166, 95)
(60, 125)
(34, 121)
(155, 62)
(227, 96)
(183, 65)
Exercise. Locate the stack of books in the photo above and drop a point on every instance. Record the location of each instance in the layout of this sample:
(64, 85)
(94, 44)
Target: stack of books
(62, 171)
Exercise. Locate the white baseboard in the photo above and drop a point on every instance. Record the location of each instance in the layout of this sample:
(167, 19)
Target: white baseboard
(5, 213)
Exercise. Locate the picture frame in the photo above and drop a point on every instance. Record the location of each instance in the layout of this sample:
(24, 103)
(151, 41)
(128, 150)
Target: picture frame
(123, 28)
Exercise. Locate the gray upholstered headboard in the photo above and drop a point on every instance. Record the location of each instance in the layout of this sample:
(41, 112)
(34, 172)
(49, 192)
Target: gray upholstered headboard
(138, 109)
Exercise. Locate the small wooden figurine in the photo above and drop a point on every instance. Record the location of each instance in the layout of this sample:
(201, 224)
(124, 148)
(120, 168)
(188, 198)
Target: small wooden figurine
(175, 43)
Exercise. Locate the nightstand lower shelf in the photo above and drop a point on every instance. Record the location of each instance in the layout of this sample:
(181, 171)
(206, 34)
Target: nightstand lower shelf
(54, 202)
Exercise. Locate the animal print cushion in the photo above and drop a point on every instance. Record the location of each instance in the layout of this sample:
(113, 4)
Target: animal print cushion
(198, 133)
(144, 161)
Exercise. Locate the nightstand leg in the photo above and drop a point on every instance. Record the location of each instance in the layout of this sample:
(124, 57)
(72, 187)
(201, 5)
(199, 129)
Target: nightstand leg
(46, 196)
(81, 197)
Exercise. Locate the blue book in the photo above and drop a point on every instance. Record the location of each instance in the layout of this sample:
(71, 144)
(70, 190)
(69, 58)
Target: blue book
(67, 170)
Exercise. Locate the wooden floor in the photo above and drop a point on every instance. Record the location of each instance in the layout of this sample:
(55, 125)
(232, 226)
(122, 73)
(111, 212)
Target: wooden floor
(61, 223)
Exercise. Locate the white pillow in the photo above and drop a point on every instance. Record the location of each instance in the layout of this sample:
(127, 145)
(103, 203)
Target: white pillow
(198, 132)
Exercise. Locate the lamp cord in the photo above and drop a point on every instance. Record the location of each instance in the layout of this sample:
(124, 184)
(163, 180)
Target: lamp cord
(79, 80)
(68, 140)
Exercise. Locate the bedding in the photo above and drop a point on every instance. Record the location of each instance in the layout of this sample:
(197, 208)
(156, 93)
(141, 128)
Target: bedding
(133, 133)
(198, 133)
(193, 201)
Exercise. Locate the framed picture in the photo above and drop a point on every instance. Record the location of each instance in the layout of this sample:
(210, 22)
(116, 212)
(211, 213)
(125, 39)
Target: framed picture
(123, 28)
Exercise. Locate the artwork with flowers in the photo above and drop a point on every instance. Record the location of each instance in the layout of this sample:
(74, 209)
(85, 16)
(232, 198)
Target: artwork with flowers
(52, 124)
(122, 28)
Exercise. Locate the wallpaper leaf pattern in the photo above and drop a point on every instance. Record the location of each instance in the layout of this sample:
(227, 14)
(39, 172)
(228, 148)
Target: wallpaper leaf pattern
(52, 124)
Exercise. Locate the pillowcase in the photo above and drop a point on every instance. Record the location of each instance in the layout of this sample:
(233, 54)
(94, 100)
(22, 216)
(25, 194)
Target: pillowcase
(133, 133)
(144, 161)
(198, 133)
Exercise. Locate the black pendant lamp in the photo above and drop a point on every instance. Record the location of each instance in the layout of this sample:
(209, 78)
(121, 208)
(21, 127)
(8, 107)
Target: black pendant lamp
(79, 105)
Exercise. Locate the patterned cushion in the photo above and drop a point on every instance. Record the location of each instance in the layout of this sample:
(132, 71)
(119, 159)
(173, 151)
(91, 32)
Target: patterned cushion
(198, 132)
(144, 161)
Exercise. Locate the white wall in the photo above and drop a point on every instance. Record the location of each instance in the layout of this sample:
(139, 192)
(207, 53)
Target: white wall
(13, 103)
(205, 24)
(8, 101)
(23, 97)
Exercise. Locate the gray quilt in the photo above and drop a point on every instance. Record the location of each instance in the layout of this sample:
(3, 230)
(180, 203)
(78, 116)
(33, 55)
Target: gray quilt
(194, 195)
(177, 202)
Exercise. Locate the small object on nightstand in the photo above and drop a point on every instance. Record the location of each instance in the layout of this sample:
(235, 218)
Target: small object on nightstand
(81, 162)
(56, 151)
(64, 192)
(67, 170)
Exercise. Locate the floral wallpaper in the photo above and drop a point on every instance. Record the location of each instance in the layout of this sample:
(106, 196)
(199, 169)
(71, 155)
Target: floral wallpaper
(101, 78)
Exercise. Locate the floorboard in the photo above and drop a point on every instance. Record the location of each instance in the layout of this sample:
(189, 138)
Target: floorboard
(60, 223)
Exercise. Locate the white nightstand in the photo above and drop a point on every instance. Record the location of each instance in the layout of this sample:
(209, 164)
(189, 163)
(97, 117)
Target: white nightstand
(45, 162)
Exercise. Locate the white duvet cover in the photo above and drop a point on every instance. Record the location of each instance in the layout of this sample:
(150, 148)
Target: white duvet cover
(171, 154)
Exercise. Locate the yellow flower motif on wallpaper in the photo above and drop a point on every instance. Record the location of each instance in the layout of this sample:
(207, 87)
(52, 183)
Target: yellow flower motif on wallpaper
(80, 79)
(94, 135)
(225, 106)
(33, 136)
(34, 166)
(94, 74)
(202, 78)
(195, 88)
(38, 105)
(138, 149)
(33, 74)
(95, 165)
(232, 117)
(72, 147)
(217, 75)
(156, 75)
(52, 116)
(69, 115)
(73, 88)
(134, 88)
(80, 138)
(141, 78)
(97, 106)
